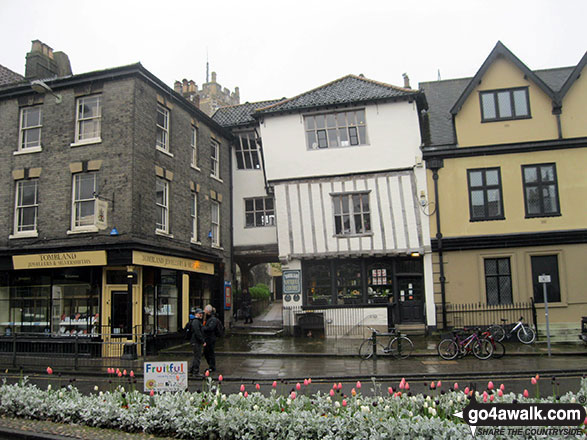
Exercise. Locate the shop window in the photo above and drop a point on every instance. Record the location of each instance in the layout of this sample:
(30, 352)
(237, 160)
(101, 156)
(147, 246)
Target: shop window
(160, 301)
(317, 278)
(28, 301)
(379, 283)
(348, 283)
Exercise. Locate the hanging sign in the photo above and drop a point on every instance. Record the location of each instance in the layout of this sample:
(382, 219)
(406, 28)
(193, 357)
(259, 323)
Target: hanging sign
(292, 281)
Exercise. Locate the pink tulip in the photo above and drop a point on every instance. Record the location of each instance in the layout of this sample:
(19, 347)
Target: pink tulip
(152, 393)
(485, 396)
(500, 393)
(402, 384)
(246, 394)
(117, 370)
(407, 387)
(432, 385)
(491, 398)
(490, 385)
(242, 388)
(334, 386)
(292, 396)
(537, 376)
(257, 387)
(344, 403)
(390, 390)
(585, 421)
(220, 378)
(331, 393)
(274, 384)
(305, 382)
(132, 373)
(456, 386)
(340, 386)
(358, 384)
(353, 392)
(533, 381)
(309, 381)
(526, 394)
(49, 370)
(119, 373)
(466, 390)
(502, 387)
(124, 373)
(109, 370)
(298, 386)
(207, 373)
(438, 384)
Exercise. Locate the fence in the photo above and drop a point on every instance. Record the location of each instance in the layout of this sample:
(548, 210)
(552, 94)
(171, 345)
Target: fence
(481, 315)
(74, 351)
(335, 322)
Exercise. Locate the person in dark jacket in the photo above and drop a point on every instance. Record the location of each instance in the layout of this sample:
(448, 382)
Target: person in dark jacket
(247, 304)
(197, 340)
(209, 330)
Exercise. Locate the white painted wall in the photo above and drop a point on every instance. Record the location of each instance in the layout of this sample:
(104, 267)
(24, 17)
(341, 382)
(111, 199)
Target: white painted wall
(393, 134)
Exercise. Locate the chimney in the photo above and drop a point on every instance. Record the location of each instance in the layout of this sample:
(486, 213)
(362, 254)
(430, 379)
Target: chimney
(406, 81)
(42, 63)
(177, 86)
(192, 87)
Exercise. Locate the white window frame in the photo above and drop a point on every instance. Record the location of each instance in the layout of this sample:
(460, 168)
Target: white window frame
(76, 202)
(267, 215)
(247, 152)
(24, 130)
(215, 223)
(19, 207)
(215, 159)
(363, 213)
(339, 129)
(194, 145)
(162, 145)
(81, 120)
(164, 206)
(194, 215)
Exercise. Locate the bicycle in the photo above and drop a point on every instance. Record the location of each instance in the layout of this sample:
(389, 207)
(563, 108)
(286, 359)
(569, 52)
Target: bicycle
(525, 333)
(399, 346)
(498, 347)
(450, 348)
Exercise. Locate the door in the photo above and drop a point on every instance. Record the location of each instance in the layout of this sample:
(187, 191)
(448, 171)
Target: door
(116, 327)
(410, 299)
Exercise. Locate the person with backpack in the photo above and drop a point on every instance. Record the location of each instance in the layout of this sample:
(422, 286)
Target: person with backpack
(193, 331)
(212, 329)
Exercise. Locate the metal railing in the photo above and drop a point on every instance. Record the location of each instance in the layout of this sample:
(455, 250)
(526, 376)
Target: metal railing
(481, 315)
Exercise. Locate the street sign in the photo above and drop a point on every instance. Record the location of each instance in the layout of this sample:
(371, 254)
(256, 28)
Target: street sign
(544, 278)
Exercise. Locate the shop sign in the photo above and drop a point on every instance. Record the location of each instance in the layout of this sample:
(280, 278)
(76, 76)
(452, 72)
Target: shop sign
(165, 376)
(101, 214)
(227, 295)
(60, 259)
(292, 281)
(167, 262)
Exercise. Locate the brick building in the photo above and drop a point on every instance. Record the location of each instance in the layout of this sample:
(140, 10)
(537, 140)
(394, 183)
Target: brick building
(115, 194)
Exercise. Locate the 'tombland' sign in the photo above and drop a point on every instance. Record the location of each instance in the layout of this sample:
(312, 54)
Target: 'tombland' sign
(60, 259)
(177, 263)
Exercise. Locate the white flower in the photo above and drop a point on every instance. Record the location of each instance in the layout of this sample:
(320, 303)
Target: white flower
(380, 399)
(365, 409)
(101, 393)
(328, 399)
(60, 393)
(573, 400)
(411, 414)
(122, 389)
(288, 401)
(224, 397)
(425, 404)
(95, 387)
(337, 404)
(450, 403)
(477, 394)
(428, 398)
(256, 407)
(192, 399)
(432, 411)
(240, 394)
(49, 387)
(386, 408)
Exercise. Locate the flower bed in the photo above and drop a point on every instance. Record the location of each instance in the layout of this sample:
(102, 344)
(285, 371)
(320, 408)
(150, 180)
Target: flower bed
(391, 414)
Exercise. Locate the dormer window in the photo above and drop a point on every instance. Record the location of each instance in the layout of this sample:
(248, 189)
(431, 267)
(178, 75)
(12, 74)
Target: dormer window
(503, 104)
(333, 130)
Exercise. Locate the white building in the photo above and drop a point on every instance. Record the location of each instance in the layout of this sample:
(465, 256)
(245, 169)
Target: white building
(344, 164)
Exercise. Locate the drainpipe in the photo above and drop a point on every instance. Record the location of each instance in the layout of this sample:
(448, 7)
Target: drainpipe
(435, 165)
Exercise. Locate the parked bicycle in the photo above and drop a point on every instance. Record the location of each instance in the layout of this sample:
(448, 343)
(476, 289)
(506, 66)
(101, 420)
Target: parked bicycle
(498, 347)
(525, 333)
(461, 345)
(398, 345)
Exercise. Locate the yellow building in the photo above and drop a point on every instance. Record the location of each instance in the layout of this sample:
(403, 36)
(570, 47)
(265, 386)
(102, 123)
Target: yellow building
(505, 153)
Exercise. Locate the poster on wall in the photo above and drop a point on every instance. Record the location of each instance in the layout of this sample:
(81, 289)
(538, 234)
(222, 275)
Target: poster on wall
(166, 376)
(292, 282)
(227, 295)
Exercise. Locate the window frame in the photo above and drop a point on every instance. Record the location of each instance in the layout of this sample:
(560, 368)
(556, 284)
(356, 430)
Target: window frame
(250, 151)
(485, 188)
(353, 227)
(265, 212)
(194, 215)
(163, 146)
(79, 121)
(22, 130)
(164, 229)
(215, 224)
(18, 208)
(215, 159)
(512, 104)
(321, 135)
(75, 202)
(540, 185)
(498, 276)
(554, 289)
(194, 145)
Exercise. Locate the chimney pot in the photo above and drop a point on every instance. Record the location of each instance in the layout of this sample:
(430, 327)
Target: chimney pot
(406, 81)
(177, 86)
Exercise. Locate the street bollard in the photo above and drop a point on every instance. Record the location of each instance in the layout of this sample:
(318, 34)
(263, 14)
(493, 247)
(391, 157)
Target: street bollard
(374, 336)
(76, 349)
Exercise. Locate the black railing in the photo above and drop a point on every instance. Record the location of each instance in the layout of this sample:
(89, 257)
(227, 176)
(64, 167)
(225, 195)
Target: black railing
(482, 315)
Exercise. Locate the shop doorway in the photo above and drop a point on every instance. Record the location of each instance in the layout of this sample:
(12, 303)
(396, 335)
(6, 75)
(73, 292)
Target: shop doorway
(116, 327)
(411, 303)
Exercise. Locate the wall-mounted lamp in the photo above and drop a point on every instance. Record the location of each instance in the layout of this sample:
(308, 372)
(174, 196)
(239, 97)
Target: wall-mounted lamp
(42, 88)
(415, 254)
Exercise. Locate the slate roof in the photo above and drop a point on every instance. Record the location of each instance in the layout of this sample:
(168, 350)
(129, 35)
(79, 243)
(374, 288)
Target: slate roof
(554, 78)
(241, 114)
(346, 90)
(7, 76)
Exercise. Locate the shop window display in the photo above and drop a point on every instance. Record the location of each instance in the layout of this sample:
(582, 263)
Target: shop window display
(318, 285)
(348, 283)
(160, 302)
(379, 283)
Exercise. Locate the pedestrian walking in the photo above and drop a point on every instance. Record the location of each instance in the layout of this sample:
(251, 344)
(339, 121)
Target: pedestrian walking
(194, 326)
(211, 331)
(247, 303)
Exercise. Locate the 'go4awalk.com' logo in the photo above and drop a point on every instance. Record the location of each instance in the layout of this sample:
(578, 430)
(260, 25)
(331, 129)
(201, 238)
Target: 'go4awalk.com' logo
(510, 418)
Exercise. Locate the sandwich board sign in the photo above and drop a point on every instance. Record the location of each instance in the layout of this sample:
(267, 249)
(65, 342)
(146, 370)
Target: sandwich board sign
(165, 376)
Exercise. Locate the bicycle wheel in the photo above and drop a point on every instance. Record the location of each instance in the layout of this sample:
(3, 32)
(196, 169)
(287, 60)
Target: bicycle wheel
(498, 349)
(497, 331)
(366, 349)
(482, 349)
(401, 347)
(526, 334)
(448, 349)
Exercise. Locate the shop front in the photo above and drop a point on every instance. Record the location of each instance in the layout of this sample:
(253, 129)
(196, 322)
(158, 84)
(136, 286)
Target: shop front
(107, 298)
